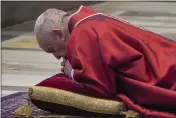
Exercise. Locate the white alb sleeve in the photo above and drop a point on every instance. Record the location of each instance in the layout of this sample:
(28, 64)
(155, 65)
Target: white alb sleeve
(72, 72)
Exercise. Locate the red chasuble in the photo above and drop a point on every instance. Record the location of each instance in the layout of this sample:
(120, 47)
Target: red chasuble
(115, 60)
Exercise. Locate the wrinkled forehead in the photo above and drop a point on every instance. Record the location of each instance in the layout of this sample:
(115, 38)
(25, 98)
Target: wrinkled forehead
(44, 40)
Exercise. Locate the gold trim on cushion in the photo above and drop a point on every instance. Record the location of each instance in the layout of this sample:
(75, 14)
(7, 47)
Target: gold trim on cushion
(67, 98)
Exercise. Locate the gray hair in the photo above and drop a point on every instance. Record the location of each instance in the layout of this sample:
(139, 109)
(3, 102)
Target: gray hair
(48, 20)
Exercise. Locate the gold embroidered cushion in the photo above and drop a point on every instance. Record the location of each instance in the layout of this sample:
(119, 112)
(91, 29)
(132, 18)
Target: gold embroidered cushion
(59, 95)
(61, 101)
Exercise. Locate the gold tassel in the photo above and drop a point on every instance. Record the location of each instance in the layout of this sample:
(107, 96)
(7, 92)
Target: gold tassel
(24, 110)
(130, 114)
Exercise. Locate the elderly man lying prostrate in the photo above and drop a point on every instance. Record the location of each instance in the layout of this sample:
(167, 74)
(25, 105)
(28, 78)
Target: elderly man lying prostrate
(108, 58)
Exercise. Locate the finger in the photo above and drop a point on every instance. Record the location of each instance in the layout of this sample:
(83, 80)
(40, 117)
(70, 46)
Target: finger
(62, 63)
(67, 62)
(64, 60)
(62, 69)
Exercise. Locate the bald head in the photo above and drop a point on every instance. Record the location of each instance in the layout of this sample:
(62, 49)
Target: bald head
(48, 20)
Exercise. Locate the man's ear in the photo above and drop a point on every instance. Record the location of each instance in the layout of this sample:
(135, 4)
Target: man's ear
(58, 32)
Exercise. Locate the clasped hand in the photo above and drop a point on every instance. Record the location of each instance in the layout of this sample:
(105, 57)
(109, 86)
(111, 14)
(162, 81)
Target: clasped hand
(66, 67)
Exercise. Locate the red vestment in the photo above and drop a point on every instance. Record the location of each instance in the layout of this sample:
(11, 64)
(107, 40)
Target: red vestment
(116, 60)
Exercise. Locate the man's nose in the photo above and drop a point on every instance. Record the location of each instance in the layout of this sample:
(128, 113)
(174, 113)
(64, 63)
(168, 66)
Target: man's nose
(56, 55)
(59, 57)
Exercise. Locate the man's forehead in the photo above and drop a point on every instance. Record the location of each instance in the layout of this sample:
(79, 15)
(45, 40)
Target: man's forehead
(44, 40)
(41, 41)
(37, 35)
(41, 37)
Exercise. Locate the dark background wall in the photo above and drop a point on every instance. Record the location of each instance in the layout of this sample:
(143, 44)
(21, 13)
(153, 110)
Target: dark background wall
(15, 12)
